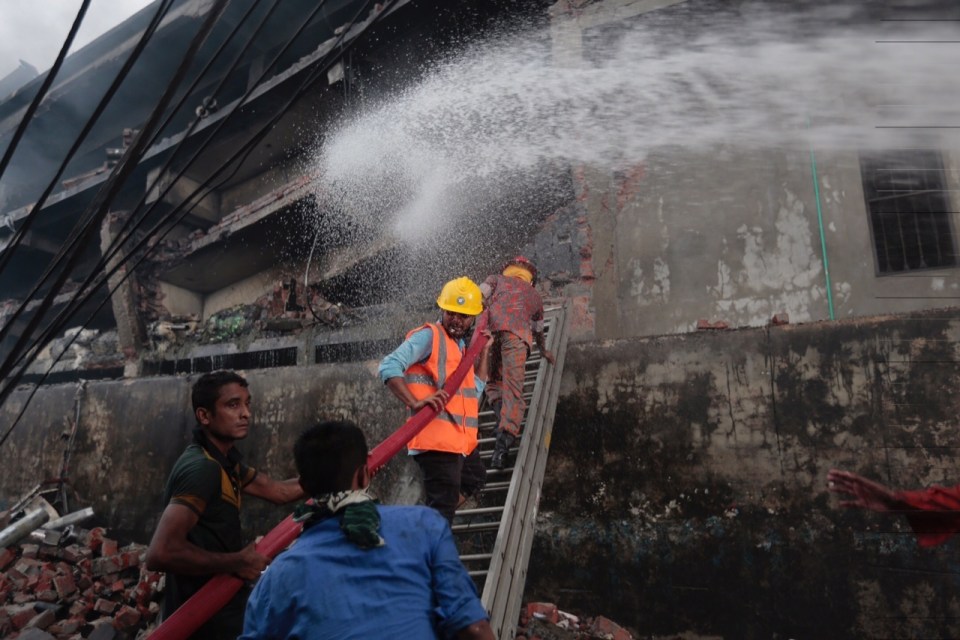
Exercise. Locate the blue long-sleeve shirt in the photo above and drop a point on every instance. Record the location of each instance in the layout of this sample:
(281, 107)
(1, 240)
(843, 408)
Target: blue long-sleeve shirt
(326, 588)
(416, 348)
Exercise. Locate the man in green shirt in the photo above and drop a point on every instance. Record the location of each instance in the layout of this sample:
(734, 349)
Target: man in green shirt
(199, 532)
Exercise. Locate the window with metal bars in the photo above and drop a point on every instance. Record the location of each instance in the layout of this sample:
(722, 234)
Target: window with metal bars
(910, 210)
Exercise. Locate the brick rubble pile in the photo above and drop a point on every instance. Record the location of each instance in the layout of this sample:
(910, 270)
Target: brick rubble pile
(76, 585)
(543, 621)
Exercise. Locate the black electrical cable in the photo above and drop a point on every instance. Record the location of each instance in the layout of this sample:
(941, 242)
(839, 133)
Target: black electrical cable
(44, 87)
(98, 208)
(73, 306)
(116, 245)
(6, 256)
(245, 151)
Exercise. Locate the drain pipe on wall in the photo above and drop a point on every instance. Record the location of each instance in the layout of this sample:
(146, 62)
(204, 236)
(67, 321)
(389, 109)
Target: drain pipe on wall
(823, 239)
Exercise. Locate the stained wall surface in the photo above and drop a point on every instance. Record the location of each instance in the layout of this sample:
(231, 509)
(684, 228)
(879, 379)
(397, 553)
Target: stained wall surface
(685, 489)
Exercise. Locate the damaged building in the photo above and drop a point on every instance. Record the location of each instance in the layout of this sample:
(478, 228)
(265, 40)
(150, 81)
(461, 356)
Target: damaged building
(745, 311)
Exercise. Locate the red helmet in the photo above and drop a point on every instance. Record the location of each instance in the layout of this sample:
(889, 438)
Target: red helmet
(523, 262)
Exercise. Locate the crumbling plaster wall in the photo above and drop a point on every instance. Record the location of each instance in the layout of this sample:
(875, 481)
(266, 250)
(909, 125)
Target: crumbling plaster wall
(731, 234)
(734, 236)
(686, 487)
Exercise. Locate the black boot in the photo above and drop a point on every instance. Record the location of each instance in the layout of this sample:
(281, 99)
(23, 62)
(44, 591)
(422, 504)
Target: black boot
(500, 449)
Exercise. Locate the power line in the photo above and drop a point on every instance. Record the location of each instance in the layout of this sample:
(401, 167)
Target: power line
(34, 213)
(321, 67)
(98, 208)
(44, 87)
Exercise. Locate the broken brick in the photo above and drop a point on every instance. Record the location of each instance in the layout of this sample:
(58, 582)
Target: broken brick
(704, 325)
(103, 605)
(64, 585)
(43, 619)
(29, 550)
(66, 627)
(20, 614)
(7, 556)
(543, 611)
(109, 547)
(609, 628)
(780, 319)
(126, 618)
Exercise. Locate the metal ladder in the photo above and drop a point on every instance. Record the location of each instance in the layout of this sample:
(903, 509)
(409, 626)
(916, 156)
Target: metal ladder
(495, 538)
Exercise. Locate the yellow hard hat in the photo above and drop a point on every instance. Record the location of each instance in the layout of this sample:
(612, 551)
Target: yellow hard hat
(461, 296)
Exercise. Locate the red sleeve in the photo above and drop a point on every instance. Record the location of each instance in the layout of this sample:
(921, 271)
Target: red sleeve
(933, 514)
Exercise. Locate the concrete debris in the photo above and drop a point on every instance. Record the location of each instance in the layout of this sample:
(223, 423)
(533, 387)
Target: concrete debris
(544, 621)
(85, 586)
(90, 349)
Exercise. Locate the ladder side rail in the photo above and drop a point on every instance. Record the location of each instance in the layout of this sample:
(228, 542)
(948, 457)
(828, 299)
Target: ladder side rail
(511, 551)
(524, 545)
(491, 586)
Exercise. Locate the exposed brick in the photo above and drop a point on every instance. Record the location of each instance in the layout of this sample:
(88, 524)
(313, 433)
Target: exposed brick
(104, 566)
(7, 556)
(780, 319)
(43, 619)
(72, 553)
(28, 566)
(66, 627)
(543, 611)
(609, 628)
(47, 595)
(65, 585)
(103, 605)
(108, 547)
(20, 614)
(80, 608)
(126, 618)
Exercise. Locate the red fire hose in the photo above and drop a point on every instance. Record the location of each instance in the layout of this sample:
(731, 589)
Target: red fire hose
(220, 589)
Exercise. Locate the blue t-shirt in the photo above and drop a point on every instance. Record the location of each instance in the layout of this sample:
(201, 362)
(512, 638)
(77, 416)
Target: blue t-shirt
(325, 587)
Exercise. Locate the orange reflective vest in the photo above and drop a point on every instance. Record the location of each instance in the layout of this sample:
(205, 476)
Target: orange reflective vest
(455, 428)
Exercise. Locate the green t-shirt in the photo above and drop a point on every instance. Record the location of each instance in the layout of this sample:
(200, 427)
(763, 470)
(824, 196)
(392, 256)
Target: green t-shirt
(209, 484)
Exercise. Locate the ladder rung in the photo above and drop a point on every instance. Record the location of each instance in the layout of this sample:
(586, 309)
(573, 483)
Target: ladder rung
(479, 511)
(497, 486)
(489, 454)
(476, 557)
(477, 573)
(475, 526)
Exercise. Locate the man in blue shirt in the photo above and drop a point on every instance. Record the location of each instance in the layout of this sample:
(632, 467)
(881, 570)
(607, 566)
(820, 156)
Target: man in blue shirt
(360, 570)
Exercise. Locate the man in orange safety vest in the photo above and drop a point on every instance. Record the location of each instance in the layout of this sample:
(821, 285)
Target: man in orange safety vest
(446, 450)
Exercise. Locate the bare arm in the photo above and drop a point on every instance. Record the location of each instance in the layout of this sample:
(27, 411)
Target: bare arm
(861, 493)
(276, 491)
(170, 550)
(399, 388)
(477, 631)
(538, 338)
(481, 367)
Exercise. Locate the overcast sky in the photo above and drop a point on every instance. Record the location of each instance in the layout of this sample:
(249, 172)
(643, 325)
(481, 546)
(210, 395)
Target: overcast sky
(34, 30)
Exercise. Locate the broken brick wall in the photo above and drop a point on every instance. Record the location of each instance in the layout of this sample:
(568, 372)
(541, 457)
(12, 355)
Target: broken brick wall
(686, 485)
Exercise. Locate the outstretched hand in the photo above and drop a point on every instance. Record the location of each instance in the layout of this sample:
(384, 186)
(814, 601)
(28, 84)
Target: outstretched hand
(860, 492)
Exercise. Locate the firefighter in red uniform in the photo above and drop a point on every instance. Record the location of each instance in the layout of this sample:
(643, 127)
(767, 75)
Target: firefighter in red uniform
(446, 449)
(516, 322)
